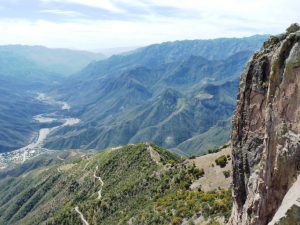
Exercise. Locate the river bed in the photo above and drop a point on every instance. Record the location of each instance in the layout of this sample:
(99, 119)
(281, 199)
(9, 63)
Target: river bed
(36, 146)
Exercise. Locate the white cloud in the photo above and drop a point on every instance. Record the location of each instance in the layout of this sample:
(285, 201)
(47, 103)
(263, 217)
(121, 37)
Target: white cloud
(106, 34)
(62, 12)
(227, 18)
(103, 4)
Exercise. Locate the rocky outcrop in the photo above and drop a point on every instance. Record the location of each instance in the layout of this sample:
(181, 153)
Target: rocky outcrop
(266, 130)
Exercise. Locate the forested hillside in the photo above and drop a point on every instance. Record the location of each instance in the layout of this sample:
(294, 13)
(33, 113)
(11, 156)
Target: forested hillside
(172, 94)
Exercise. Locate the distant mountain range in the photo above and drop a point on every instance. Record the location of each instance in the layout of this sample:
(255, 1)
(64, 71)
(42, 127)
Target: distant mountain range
(175, 94)
(172, 94)
(38, 64)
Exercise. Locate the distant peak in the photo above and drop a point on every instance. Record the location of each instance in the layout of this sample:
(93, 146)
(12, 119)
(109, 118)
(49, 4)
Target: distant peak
(293, 28)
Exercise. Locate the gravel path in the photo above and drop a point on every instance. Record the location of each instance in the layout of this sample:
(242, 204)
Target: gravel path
(84, 221)
(102, 183)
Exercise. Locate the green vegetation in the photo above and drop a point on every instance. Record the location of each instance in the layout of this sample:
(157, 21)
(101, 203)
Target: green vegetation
(221, 161)
(198, 172)
(154, 94)
(136, 188)
(226, 173)
(157, 94)
(213, 222)
(186, 203)
(210, 151)
(292, 216)
(25, 70)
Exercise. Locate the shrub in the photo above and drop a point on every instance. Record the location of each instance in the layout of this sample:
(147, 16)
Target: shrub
(225, 146)
(199, 172)
(221, 161)
(171, 161)
(226, 173)
(213, 222)
(228, 157)
(176, 220)
(210, 151)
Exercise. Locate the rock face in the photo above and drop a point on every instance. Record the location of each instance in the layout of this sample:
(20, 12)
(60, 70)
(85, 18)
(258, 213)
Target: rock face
(266, 130)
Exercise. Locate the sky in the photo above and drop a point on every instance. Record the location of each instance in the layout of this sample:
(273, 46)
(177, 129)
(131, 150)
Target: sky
(104, 24)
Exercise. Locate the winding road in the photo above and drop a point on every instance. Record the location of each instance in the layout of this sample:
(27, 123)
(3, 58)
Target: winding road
(84, 221)
(101, 181)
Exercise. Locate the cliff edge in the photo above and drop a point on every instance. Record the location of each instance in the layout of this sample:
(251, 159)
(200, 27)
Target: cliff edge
(266, 132)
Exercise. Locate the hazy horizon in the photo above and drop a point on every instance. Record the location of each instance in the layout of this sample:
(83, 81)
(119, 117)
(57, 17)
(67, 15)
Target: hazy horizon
(124, 49)
(106, 24)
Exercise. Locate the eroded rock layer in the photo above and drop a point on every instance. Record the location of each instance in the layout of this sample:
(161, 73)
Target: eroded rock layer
(266, 130)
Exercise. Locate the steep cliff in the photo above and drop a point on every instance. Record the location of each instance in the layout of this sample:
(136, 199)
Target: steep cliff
(266, 130)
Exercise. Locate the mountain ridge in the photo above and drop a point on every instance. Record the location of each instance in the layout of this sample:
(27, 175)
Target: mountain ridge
(139, 185)
(52, 60)
(112, 95)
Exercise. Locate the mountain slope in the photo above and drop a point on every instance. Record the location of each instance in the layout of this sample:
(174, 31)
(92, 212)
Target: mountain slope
(38, 67)
(169, 119)
(56, 61)
(17, 108)
(25, 70)
(138, 184)
(154, 56)
(214, 137)
(166, 93)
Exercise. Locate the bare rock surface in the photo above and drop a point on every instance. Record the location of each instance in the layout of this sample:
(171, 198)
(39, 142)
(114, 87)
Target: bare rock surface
(266, 130)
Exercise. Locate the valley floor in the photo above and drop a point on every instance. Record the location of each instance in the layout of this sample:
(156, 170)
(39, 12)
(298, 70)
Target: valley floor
(36, 147)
